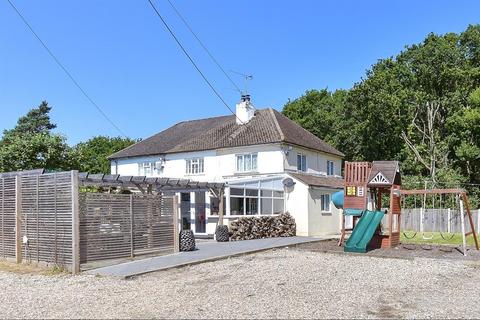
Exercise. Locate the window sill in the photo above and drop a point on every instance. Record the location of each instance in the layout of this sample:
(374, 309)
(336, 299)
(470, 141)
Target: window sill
(245, 173)
(194, 174)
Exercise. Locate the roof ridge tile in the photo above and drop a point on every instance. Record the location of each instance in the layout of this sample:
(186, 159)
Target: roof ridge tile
(282, 136)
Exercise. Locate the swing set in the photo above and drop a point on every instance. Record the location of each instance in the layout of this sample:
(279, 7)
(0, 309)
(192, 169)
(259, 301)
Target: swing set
(439, 212)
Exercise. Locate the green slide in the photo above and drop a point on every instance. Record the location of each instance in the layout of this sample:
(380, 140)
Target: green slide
(363, 232)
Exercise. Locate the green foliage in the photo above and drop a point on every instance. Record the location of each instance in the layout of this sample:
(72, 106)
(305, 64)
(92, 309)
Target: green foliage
(421, 107)
(474, 98)
(317, 112)
(92, 155)
(35, 121)
(31, 144)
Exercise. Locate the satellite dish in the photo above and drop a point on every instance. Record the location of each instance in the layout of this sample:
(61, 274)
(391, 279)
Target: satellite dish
(288, 182)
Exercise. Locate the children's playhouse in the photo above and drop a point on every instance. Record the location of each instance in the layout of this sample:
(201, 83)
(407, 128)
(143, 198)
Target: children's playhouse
(372, 205)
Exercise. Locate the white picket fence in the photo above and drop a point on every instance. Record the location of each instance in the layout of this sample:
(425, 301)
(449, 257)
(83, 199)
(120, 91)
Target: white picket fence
(437, 220)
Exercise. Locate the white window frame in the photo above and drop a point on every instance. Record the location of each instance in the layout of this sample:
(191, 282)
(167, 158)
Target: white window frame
(302, 165)
(330, 168)
(326, 206)
(194, 166)
(146, 168)
(253, 163)
(259, 198)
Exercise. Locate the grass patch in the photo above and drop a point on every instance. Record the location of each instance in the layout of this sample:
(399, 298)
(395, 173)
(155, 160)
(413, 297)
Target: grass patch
(30, 268)
(436, 238)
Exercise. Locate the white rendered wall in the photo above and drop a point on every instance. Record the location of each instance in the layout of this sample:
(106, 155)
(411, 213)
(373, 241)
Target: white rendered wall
(219, 165)
(322, 223)
(296, 203)
(316, 161)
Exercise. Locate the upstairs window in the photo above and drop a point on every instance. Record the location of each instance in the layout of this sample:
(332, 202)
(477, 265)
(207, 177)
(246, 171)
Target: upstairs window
(146, 168)
(301, 162)
(246, 162)
(330, 168)
(194, 166)
(325, 199)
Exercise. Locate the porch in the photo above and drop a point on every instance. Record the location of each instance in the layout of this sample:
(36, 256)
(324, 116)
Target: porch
(246, 196)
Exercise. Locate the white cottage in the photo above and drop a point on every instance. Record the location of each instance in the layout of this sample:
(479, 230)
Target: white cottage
(269, 164)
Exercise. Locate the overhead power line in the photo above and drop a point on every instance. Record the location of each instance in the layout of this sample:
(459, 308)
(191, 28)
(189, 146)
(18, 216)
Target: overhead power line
(191, 59)
(203, 46)
(57, 61)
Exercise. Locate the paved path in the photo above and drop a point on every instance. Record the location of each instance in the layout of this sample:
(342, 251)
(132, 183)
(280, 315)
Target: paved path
(207, 251)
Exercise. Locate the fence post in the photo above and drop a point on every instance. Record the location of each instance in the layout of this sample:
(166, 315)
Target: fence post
(18, 219)
(462, 219)
(421, 219)
(176, 244)
(478, 221)
(449, 217)
(131, 227)
(75, 223)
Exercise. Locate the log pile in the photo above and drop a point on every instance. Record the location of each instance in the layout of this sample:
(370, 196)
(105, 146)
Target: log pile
(247, 228)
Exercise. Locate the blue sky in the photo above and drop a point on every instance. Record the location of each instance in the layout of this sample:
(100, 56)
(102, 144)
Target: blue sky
(122, 56)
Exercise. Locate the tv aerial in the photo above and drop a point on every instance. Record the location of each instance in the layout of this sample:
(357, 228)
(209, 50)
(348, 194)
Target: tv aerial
(246, 78)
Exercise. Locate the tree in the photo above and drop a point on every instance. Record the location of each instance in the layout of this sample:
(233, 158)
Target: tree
(92, 155)
(318, 111)
(401, 109)
(31, 144)
(420, 107)
(35, 121)
(465, 138)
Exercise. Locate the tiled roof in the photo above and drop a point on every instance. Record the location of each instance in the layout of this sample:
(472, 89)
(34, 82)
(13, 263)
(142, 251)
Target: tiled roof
(268, 126)
(319, 181)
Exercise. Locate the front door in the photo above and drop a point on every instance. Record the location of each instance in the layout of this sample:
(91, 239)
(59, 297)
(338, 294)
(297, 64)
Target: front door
(200, 216)
(185, 210)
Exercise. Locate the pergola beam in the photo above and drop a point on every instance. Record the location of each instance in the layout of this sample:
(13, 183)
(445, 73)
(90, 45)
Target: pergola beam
(146, 184)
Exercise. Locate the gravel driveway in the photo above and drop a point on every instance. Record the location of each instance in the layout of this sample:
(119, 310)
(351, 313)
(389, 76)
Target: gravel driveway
(284, 283)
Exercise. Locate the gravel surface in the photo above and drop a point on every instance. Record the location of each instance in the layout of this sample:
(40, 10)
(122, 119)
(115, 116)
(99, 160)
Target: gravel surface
(286, 283)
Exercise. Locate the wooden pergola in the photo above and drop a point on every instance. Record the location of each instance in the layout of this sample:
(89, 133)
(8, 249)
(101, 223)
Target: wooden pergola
(147, 185)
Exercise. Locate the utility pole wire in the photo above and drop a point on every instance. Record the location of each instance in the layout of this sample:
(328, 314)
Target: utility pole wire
(57, 61)
(203, 45)
(191, 60)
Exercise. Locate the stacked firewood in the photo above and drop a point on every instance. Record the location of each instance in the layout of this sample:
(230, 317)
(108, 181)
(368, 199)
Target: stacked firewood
(248, 228)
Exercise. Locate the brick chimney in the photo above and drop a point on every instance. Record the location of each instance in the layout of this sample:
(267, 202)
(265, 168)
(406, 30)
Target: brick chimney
(245, 110)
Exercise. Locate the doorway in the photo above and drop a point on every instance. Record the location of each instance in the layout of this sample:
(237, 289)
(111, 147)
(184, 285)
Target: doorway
(200, 215)
(185, 210)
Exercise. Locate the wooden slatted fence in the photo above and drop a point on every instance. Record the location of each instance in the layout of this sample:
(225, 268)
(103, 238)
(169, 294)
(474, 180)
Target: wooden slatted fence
(7, 217)
(124, 225)
(436, 220)
(44, 218)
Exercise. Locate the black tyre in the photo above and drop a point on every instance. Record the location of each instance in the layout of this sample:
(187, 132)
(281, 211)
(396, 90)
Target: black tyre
(187, 240)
